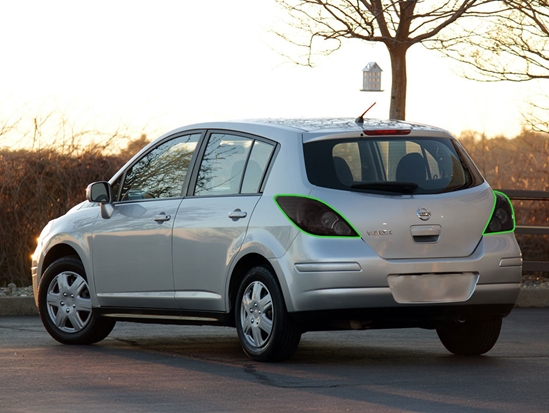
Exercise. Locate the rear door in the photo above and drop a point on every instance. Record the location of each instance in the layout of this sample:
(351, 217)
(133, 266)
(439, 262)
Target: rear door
(211, 223)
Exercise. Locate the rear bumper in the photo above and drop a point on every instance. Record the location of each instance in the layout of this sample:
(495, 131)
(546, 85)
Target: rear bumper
(355, 298)
(346, 275)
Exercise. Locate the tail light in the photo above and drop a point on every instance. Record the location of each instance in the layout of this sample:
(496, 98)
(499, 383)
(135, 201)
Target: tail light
(503, 215)
(314, 216)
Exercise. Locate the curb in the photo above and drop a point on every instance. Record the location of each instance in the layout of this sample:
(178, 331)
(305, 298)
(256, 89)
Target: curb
(25, 306)
(17, 306)
(533, 298)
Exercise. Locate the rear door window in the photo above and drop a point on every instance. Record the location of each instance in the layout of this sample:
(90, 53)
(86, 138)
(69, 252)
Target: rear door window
(232, 165)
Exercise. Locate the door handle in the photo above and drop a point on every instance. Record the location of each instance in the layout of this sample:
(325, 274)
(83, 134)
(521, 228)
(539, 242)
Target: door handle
(237, 214)
(162, 217)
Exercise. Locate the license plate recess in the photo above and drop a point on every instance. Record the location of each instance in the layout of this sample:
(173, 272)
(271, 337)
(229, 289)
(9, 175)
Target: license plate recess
(432, 288)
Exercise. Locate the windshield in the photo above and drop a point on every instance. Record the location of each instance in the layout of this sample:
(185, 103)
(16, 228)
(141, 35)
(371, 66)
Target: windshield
(390, 165)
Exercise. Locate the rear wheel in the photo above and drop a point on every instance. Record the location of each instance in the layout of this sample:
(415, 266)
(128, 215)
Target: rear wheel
(471, 338)
(65, 307)
(265, 330)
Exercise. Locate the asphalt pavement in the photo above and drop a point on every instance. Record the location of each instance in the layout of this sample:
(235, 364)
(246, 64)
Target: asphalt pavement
(142, 368)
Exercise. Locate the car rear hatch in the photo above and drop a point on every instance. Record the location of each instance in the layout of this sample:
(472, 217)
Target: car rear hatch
(412, 196)
(422, 226)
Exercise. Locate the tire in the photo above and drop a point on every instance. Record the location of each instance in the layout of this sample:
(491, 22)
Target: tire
(471, 338)
(265, 330)
(65, 307)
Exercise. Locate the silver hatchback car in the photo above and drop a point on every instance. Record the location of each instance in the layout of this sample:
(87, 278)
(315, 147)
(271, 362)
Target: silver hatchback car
(280, 227)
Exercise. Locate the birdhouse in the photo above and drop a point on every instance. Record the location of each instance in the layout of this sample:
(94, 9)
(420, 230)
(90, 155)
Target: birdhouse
(371, 78)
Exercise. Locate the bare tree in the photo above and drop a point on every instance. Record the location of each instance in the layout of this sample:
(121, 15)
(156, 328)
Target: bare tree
(512, 45)
(399, 24)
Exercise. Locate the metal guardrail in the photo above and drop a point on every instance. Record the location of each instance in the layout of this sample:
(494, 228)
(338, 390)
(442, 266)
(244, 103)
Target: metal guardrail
(521, 195)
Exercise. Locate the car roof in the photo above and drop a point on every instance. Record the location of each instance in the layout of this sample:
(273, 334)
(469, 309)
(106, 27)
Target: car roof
(312, 129)
(346, 124)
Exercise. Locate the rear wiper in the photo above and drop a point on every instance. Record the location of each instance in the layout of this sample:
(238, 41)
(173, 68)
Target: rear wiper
(389, 186)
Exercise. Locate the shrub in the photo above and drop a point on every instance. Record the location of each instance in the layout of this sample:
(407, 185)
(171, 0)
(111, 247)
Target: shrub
(36, 187)
(518, 163)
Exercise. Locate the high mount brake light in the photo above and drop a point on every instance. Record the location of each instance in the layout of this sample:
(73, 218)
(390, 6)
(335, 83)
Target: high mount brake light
(314, 216)
(385, 132)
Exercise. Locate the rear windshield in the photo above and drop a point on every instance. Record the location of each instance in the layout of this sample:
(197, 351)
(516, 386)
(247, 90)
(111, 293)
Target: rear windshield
(390, 165)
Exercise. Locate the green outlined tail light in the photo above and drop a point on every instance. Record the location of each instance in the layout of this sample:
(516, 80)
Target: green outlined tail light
(503, 215)
(314, 216)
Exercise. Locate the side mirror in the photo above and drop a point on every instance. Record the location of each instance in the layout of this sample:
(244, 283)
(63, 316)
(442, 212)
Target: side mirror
(101, 192)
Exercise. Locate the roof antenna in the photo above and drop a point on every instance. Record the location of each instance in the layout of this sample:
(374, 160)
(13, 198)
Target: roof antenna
(360, 119)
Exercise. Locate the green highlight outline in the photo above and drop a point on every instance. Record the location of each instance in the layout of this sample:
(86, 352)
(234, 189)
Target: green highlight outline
(495, 192)
(324, 203)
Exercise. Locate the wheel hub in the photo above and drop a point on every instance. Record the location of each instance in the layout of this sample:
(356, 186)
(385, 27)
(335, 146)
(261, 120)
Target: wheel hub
(257, 314)
(69, 305)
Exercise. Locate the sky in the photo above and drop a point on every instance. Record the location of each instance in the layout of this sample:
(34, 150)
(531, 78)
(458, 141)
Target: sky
(164, 64)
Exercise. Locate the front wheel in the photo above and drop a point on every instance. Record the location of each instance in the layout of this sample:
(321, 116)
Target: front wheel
(470, 338)
(265, 330)
(64, 304)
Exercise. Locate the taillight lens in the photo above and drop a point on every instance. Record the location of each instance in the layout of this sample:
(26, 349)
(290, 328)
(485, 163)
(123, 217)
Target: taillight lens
(503, 216)
(314, 216)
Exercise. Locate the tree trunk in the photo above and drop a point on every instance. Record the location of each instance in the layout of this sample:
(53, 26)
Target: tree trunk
(397, 53)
